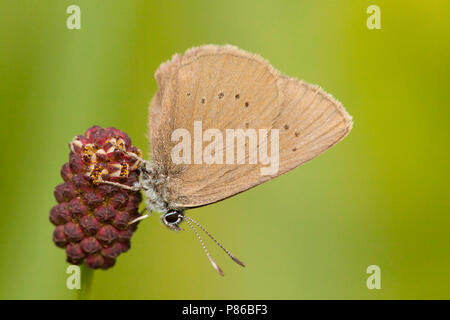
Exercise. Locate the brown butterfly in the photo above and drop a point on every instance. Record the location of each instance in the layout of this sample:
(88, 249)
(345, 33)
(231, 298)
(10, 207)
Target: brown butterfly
(239, 99)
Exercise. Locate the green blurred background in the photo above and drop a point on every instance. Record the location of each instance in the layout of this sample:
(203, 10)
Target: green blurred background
(379, 197)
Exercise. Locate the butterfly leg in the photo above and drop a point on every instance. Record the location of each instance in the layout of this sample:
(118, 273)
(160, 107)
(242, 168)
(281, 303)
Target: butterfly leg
(142, 217)
(135, 187)
(139, 160)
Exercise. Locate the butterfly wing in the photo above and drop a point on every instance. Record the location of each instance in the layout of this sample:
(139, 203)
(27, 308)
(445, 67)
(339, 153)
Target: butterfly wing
(310, 122)
(227, 88)
(162, 75)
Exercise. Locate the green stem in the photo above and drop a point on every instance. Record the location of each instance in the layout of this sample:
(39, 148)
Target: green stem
(87, 274)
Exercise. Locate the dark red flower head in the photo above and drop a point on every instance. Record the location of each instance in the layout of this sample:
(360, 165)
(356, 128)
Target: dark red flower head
(91, 217)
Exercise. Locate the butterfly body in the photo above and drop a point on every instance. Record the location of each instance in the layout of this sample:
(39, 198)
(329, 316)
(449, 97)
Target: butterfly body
(152, 184)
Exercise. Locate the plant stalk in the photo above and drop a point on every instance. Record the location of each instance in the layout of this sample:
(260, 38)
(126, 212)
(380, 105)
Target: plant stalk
(87, 275)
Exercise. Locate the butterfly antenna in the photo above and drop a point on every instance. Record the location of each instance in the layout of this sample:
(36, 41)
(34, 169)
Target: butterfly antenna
(239, 262)
(214, 264)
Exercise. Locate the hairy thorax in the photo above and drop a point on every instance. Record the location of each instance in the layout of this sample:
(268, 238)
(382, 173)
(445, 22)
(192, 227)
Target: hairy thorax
(153, 184)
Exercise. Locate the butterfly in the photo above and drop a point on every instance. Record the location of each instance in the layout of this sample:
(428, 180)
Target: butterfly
(223, 88)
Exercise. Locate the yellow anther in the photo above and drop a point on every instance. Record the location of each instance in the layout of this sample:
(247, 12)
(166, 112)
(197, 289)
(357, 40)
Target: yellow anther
(96, 173)
(124, 170)
(120, 144)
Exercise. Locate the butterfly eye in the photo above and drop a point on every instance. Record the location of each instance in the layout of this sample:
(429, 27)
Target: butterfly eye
(173, 217)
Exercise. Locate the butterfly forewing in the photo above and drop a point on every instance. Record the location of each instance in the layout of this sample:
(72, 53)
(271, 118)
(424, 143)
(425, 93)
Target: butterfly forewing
(228, 88)
(163, 76)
